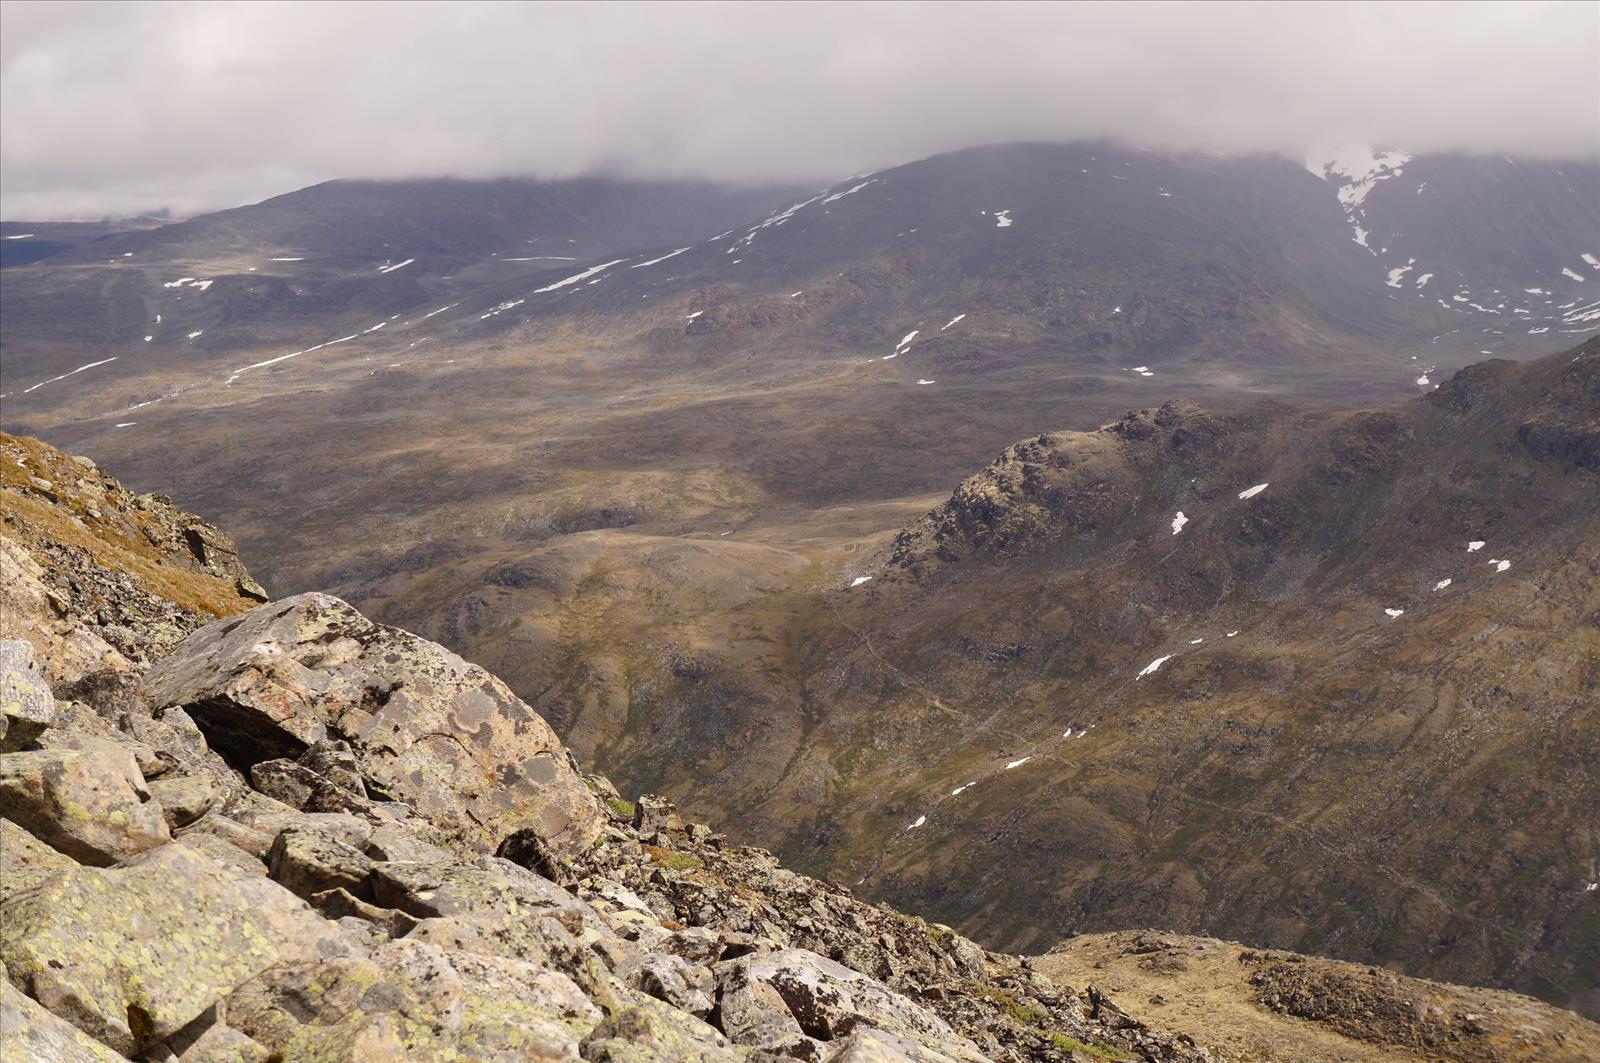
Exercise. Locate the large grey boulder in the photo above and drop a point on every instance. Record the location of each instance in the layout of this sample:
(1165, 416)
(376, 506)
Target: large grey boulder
(799, 1003)
(423, 726)
(29, 1032)
(26, 705)
(414, 1001)
(132, 954)
(90, 803)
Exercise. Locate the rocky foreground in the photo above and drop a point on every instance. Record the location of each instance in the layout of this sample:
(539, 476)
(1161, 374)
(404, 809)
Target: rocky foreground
(236, 831)
(286, 832)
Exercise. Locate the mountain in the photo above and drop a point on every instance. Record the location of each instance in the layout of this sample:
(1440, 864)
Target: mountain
(24, 242)
(234, 830)
(305, 259)
(1060, 261)
(639, 487)
(449, 222)
(1347, 712)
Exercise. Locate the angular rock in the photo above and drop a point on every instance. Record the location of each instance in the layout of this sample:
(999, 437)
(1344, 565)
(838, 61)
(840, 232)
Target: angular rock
(648, 1030)
(132, 954)
(310, 859)
(183, 798)
(654, 815)
(424, 726)
(414, 1001)
(27, 706)
(868, 1045)
(686, 986)
(32, 611)
(25, 860)
(493, 907)
(285, 780)
(89, 803)
(336, 762)
(826, 1001)
(29, 1032)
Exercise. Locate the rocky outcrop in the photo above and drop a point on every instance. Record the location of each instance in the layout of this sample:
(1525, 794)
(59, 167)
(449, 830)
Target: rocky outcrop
(421, 725)
(26, 705)
(98, 577)
(91, 804)
(134, 953)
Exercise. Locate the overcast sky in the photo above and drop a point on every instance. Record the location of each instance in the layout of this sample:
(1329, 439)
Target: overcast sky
(116, 108)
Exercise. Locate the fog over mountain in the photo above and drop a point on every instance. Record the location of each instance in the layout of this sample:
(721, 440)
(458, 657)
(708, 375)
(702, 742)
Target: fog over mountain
(115, 110)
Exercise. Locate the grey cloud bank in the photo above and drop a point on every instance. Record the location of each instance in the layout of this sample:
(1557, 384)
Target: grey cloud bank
(108, 109)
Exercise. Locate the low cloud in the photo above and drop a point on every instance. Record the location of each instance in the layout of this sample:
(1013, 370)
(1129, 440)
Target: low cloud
(108, 109)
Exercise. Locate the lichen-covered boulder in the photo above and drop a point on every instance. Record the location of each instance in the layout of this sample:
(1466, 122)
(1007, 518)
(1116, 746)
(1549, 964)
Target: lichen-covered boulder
(648, 1031)
(413, 1001)
(767, 998)
(90, 803)
(25, 860)
(867, 1045)
(132, 954)
(29, 1032)
(26, 705)
(183, 798)
(423, 726)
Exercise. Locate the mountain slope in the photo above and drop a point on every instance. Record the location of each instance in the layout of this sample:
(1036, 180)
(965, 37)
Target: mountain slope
(210, 853)
(640, 486)
(1369, 684)
(1258, 747)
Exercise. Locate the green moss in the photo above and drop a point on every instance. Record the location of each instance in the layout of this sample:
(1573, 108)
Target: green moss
(673, 860)
(1072, 1044)
(1026, 1014)
(621, 807)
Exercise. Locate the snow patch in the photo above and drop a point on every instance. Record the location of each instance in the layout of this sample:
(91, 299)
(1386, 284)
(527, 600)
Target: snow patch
(663, 258)
(1178, 522)
(397, 265)
(849, 191)
(576, 277)
(1399, 272)
(859, 580)
(1154, 666)
(64, 376)
(1251, 492)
